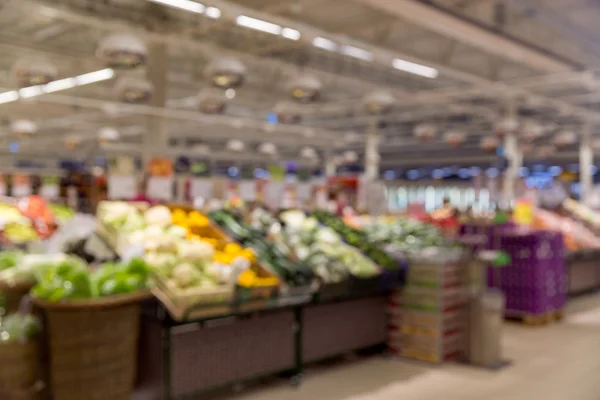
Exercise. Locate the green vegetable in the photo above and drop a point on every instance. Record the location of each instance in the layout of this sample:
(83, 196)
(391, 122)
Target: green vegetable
(18, 328)
(9, 259)
(67, 280)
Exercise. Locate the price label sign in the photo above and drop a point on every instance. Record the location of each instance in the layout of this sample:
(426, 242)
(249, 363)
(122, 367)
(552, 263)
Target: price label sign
(160, 188)
(21, 185)
(121, 187)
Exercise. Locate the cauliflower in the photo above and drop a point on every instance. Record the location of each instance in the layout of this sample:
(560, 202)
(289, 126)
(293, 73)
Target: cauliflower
(185, 275)
(164, 263)
(159, 216)
(177, 231)
(196, 251)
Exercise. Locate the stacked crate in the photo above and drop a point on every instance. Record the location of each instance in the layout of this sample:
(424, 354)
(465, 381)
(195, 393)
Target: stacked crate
(535, 281)
(427, 316)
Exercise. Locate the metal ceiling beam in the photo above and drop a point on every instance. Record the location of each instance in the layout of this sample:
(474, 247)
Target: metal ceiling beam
(448, 25)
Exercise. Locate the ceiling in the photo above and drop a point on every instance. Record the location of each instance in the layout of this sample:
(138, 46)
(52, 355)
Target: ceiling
(537, 55)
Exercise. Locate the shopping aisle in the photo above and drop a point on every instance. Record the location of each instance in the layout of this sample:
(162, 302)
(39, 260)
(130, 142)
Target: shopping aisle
(559, 362)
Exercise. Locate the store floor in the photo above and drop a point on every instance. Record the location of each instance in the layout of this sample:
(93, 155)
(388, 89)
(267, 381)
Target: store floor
(557, 362)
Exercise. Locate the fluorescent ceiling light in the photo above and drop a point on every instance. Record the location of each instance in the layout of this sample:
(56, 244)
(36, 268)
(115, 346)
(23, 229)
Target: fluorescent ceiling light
(61, 84)
(323, 43)
(186, 5)
(357, 52)
(290, 33)
(7, 97)
(30, 91)
(258, 24)
(95, 76)
(415, 68)
(213, 12)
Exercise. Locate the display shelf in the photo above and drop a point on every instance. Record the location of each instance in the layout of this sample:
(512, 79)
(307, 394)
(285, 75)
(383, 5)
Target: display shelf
(180, 359)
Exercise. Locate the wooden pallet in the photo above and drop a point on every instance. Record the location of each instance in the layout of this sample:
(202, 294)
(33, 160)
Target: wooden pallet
(536, 319)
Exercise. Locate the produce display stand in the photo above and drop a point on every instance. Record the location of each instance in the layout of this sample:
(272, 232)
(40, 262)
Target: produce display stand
(231, 345)
(583, 271)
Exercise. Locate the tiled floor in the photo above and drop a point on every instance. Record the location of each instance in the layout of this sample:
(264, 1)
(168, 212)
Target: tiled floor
(558, 362)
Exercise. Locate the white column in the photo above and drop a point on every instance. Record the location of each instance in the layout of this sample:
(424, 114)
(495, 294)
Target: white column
(511, 152)
(586, 160)
(330, 164)
(372, 151)
(155, 139)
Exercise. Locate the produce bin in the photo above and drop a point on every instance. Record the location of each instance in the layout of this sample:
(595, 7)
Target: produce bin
(583, 271)
(337, 328)
(93, 347)
(196, 358)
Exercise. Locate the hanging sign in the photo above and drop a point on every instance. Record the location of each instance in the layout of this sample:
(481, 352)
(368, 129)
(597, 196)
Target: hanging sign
(21, 185)
(523, 212)
(277, 173)
(50, 188)
(160, 167)
(274, 193)
(199, 168)
(303, 191)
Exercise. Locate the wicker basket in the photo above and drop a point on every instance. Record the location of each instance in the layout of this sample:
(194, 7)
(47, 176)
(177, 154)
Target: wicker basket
(12, 296)
(19, 365)
(93, 347)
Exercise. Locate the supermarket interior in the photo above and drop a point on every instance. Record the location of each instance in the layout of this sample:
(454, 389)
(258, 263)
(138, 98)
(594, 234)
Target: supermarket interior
(299, 199)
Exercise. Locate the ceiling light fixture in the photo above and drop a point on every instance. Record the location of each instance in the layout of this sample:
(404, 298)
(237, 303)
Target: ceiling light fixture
(325, 44)
(55, 86)
(415, 68)
(186, 5)
(290, 33)
(60, 84)
(213, 12)
(258, 24)
(357, 52)
(96, 76)
(30, 91)
(7, 97)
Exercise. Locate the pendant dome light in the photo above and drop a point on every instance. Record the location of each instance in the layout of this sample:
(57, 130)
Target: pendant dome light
(379, 102)
(288, 112)
(308, 153)
(350, 156)
(72, 142)
(489, 143)
(268, 149)
(212, 101)
(201, 149)
(32, 71)
(108, 134)
(134, 90)
(23, 127)
(122, 51)
(565, 138)
(425, 132)
(226, 72)
(531, 131)
(305, 88)
(454, 138)
(235, 145)
(506, 126)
